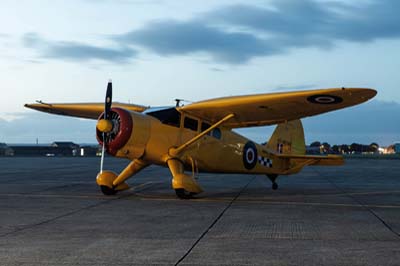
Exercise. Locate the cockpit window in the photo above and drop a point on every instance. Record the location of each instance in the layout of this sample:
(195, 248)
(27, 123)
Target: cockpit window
(190, 123)
(168, 116)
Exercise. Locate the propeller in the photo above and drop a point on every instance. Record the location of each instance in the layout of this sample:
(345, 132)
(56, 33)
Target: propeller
(105, 125)
(108, 101)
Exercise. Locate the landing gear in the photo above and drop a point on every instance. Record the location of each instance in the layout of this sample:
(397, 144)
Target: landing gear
(273, 178)
(185, 186)
(183, 194)
(108, 191)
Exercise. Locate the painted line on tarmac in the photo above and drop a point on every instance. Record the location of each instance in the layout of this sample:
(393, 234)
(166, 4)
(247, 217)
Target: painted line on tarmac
(39, 194)
(26, 195)
(195, 200)
(144, 186)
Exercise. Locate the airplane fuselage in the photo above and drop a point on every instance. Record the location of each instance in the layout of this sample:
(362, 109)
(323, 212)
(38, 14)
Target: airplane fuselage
(222, 151)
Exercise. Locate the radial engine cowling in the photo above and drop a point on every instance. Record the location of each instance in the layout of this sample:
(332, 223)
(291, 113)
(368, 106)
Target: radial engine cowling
(125, 133)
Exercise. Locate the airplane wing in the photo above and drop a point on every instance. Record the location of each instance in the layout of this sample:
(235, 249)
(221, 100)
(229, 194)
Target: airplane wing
(83, 110)
(275, 108)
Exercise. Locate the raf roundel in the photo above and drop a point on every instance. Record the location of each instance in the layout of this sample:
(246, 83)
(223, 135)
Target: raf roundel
(324, 99)
(249, 155)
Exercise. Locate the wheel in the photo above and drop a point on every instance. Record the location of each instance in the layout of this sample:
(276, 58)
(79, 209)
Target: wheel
(273, 177)
(108, 191)
(183, 194)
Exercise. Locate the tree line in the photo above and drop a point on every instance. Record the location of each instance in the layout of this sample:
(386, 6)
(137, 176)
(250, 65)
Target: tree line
(345, 148)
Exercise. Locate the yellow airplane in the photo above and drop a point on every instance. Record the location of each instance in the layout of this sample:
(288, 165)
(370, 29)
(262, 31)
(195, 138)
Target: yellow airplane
(198, 137)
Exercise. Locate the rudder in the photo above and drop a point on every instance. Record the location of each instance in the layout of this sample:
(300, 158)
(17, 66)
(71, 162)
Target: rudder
(288, 138)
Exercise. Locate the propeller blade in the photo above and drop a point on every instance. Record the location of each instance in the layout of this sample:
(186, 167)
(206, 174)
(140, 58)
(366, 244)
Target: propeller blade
(107, 116)
(102, 156)
(108, 101)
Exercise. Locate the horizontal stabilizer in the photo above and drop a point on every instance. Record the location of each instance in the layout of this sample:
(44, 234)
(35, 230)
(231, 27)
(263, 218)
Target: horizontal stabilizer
(297, 162)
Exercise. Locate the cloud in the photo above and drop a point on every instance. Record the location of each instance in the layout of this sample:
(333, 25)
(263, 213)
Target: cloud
(311, 22)
(4, 36)
(180, 38)
(235, 34)
(128, 2)
(77, 51)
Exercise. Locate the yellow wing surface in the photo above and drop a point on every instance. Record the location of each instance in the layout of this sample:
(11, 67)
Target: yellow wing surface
(274, 108)
(83, 110)
(248, 110)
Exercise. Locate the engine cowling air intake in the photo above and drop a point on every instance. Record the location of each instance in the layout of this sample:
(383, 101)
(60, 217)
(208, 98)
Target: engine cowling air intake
(115, 131)
(125, 133)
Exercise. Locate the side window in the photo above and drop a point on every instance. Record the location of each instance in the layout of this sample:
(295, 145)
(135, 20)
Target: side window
(190, 123)
(216, 133)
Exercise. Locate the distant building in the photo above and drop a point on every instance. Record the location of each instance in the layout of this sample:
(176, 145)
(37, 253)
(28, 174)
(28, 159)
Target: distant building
(54, 149)
(5, 150)
(89, 150)
(64, 144)
(392, 149)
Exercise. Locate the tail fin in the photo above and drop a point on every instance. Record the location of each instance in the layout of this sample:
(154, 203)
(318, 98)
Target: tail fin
(288, 138)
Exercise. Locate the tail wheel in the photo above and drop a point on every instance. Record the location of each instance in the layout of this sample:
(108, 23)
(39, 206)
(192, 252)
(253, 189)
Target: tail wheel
(183, 194)
(273, 178)
(108, 191)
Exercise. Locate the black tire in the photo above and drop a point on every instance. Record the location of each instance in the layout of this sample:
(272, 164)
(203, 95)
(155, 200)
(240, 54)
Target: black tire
(108, 191)
(274, 186)
(183, 194)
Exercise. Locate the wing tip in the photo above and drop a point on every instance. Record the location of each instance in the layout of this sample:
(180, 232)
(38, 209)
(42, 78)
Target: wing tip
(367, 93)
(363, 94)
(30, 105)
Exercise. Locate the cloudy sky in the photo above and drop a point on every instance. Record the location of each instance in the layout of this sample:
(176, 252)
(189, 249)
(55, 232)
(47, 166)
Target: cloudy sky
(159, 50)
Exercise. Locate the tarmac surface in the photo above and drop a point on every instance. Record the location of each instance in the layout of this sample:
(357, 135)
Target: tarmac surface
(52, 213)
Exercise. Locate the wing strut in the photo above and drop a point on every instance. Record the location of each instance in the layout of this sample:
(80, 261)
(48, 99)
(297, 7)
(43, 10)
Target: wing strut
(175, 151)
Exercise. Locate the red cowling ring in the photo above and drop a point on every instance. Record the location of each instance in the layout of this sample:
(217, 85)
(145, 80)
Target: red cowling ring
(124, 133)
